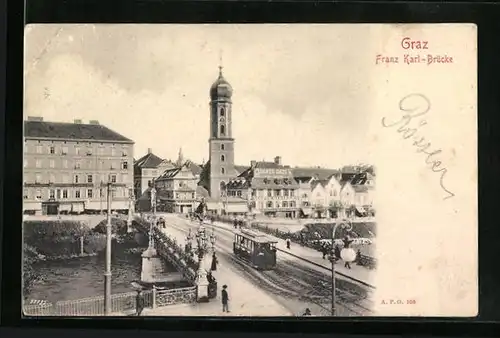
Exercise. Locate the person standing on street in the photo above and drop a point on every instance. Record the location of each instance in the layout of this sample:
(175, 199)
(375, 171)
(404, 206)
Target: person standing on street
(215, 261)
(139, 302)
(288, 243)
(225, 299)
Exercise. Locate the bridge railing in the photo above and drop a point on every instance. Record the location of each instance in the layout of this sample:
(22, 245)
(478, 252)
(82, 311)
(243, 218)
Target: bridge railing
(175, 296)
(91, 306)
(171, 250)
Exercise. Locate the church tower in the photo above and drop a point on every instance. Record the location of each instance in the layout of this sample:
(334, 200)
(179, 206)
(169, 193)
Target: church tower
(221, 142)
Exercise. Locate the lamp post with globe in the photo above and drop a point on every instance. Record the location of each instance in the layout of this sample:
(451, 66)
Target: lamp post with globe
(201, 278)
(347, 254)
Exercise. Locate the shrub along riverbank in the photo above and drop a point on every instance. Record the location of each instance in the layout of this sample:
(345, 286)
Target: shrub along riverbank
(51, 240)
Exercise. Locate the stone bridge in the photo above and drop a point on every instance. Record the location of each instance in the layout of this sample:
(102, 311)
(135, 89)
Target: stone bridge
(165, 248)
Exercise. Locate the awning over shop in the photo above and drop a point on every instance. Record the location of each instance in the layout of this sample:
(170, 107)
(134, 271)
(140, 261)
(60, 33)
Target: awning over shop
(65, 207)
(306, 211)
(213, 206)
(231, 208)
(77, 207)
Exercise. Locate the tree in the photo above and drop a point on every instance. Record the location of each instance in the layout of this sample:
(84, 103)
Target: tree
(30, 275)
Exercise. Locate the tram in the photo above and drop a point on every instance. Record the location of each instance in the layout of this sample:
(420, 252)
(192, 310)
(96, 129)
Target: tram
(255, 248)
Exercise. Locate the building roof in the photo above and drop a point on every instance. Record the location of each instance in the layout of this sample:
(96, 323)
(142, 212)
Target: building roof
(77, 131)
(241, 168)
(169, 173)
(361, 188)
(238, 183)
(323, 183)
(195, 168)
(149, 160)
(319, 173)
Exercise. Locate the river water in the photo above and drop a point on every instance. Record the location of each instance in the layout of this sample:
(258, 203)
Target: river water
(84, 277)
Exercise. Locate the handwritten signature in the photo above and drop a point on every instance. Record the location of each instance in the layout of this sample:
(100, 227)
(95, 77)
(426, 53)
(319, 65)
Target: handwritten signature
(409, 129)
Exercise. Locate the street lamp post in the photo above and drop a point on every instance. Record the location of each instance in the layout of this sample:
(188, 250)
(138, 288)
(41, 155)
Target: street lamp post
(345, 254)
(107, 273)
(201, 278)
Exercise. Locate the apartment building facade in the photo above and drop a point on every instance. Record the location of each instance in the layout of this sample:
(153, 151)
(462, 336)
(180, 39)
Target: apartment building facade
(67, 167)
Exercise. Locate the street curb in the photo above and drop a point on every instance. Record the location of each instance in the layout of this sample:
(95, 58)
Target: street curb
(328, 269)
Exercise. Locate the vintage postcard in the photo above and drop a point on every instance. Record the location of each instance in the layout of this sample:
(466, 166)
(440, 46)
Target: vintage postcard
(250, 170)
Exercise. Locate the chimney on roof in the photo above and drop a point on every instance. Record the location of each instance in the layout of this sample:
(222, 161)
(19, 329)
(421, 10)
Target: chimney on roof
(253, 163)
(277, 160)
(95, 122)
(150, 151)
(35, 118)
(77, 121)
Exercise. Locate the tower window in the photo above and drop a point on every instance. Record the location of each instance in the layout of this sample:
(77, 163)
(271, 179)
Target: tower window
(222, 112)
(222, 170)
(222, 130)
(222, 147)
(222, 158)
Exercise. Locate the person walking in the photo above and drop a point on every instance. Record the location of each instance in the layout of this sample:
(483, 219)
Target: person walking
(288, 243)
(215, 261)
(307, 312)
(139, 302)
(225, 299)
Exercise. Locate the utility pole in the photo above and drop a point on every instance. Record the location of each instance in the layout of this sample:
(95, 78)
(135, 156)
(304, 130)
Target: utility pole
(107, 273)
(333, 268)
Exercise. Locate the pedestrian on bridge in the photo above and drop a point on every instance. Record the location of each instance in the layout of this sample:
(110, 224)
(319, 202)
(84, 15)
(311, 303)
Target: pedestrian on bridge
(225, 299)
(139, 302)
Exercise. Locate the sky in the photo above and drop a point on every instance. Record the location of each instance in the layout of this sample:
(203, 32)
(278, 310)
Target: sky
(299, 91)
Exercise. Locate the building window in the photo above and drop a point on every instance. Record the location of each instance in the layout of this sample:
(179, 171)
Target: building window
(52, 163)
(124, 165)
(222, 147)
(113, 151)
(193, 196)
(238, 193)
(89, 179)
(113, 178)
(52, 150)
(222, 112)
(285, 193)
(269, 204)
(112, 166)
(77, 194)
(38, 194)
(222, 130)
(38, 163)
(89, 193)
(77, 164)
(277, 192)
(64, 150)
(52, 194)
(285, 204)
(25, 194)
(177, 196)
(76, 179)
(89, 151)
(38, 149)
(292, 204)
(222, 171)
(77, 150)
(269, 193)
(222, 158)
(38, 178)
(65, 193)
